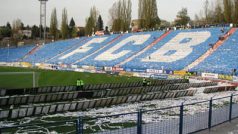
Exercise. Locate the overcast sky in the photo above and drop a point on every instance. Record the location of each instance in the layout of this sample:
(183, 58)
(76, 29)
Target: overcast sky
(28, 10)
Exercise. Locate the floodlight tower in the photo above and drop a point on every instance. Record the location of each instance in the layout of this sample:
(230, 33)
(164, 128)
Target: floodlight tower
(43, 17)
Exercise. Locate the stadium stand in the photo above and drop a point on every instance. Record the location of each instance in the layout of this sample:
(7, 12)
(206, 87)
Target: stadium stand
(13, 54)
(173, 50)
(109, 43)
(81, 50)
(223, 60)
(177, 50)
(145, 49)
(123, 48)
(30, 52)
(49, 50)
(212, 49)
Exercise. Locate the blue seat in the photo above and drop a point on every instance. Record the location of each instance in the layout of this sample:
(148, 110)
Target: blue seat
(197, 51)
(223, 60)
(14, 54)
(47, 51)
(85, 51)
(133, 49)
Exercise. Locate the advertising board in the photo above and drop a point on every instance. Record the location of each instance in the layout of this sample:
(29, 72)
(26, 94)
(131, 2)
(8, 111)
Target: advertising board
(210, 75)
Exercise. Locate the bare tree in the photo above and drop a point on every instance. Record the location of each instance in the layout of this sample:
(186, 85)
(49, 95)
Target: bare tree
(206, 10)
(227, 10)
(147, 13)
(235, 12)
(120, 13)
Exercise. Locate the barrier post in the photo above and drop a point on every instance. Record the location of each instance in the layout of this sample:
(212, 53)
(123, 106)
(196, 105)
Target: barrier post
(210, 114)
(181, 119)
(230, 112)
(139, 122)
(79, 125)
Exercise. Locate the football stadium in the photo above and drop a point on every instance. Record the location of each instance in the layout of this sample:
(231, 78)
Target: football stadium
(142, 75)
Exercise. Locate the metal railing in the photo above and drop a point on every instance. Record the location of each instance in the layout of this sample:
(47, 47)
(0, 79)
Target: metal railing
(180, 119)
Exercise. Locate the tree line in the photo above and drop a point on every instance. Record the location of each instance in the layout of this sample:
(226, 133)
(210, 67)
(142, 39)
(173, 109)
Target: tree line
(218, 12)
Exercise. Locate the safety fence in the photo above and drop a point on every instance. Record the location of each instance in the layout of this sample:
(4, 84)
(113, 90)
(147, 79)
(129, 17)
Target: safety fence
(180, 119)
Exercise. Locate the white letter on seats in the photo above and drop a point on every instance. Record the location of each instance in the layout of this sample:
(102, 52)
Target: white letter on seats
(85, 47)
(182, 50)
(134, 39)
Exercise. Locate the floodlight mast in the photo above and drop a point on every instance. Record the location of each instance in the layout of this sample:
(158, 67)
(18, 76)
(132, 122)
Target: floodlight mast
(43, 18)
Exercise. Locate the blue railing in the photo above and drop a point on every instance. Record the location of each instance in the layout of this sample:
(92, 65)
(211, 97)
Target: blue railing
(178, 119)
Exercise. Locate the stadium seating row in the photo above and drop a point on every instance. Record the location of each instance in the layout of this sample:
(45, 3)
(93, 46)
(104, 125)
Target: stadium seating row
(68, 96)
(177, 50)
(83, 49)
(40, 109)
(121, 49)
(223, 60)
(87, 87)
(48, 51)
(219, 89)
(14, 54)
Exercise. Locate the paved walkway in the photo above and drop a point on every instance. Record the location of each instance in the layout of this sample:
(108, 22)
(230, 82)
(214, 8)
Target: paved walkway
(225, 128)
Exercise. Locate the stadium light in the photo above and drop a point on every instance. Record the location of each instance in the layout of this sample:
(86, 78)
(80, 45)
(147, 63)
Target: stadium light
(43, 17)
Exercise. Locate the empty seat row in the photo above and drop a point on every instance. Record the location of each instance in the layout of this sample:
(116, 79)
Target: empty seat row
(87, 87)
(41, 109)
(219, 89)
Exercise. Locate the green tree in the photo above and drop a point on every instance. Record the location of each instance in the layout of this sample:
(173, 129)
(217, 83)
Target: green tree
(71, 23)
(72, 28)
(99, 23)
(54, 24)
(8, 25)
(182, 17)
(5, 31)
(64, 25)
(35, 32)
(90, 27)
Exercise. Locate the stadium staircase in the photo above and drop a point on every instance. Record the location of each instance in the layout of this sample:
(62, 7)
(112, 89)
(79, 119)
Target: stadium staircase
(211, 50)
(146, 48)
(60, 54)
(109, 43)
(30, 52)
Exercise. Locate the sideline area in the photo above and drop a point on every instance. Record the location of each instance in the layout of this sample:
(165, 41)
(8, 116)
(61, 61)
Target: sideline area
(225, 128)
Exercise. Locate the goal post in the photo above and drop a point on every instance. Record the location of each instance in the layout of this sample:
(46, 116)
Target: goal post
(18, 79)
